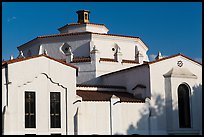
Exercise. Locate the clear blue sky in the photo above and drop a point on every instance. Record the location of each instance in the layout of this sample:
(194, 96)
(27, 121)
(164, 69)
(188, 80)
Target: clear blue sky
(169, 27)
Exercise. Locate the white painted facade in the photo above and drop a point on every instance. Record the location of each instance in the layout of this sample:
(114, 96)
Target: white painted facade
(92, 100)
(162, 88)
(26, 76)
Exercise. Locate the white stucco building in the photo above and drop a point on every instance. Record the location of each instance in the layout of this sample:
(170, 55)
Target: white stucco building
(87, 81)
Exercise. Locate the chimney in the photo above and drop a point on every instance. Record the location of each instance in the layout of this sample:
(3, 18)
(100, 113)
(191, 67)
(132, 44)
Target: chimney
(83, 16)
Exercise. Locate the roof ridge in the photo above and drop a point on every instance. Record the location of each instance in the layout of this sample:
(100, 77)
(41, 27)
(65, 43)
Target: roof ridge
(178, 54)
(27, 58)
(77, 33)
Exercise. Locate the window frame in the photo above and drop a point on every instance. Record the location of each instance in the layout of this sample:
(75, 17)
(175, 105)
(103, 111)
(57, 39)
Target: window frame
(55, 113)
(30, 110)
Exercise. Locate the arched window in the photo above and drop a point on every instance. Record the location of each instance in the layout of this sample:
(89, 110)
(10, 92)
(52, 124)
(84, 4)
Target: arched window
(184, 106)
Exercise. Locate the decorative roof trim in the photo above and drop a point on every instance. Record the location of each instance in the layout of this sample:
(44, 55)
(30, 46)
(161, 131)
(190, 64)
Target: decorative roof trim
(75, 24)
(179, 54)
(180, 72)
(106, 96)
(81, 59)
(130, 61)
(27, 58)
(71, 34)
(101, 86)
(107, 60)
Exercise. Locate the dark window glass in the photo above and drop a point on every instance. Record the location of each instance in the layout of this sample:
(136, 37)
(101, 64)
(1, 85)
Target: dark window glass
(55, 110)
(30, 121)
(184, 106)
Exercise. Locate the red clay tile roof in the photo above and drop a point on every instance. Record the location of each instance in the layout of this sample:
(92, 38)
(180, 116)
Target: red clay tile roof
(106, 96)
(23, 59)
(79, 33)
(130, 61)
(101, 86)
(74, 24)
(81, 59)
(179, 54)
(108, 60)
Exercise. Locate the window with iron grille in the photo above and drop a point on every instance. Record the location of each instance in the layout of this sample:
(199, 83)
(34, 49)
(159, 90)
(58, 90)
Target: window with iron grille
(55, 115)
(30, 120)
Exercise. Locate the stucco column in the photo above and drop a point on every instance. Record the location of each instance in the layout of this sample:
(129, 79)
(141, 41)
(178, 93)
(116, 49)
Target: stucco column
(114, 115)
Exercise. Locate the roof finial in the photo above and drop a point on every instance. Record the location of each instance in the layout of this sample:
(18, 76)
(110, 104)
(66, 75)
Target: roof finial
(159, 56)
(11, 57)
(21, 55)
(45, 52)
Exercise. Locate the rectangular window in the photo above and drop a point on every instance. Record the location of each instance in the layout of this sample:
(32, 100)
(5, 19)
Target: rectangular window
(30, 121)
(55, 115)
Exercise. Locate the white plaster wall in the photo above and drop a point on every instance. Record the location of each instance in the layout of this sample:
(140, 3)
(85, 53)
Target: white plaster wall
(87, 72)
(4, 101)
(133, 118)
(105, 45)
(84, 28)
(73, 29)
(108, 67)
(3, 88)
(94, 118)
(25, 75)
(195, 106)
(96, 28)
(127, 46)
(80, 47)
(130, 78)
(157, 70)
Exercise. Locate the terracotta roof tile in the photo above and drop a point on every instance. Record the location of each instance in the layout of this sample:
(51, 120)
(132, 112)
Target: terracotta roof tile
(101, 86)
(27, 58)
(64, 34)
(106, 96)
(107, 60)
(81, 59)
(130, 61)
(78, 33)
